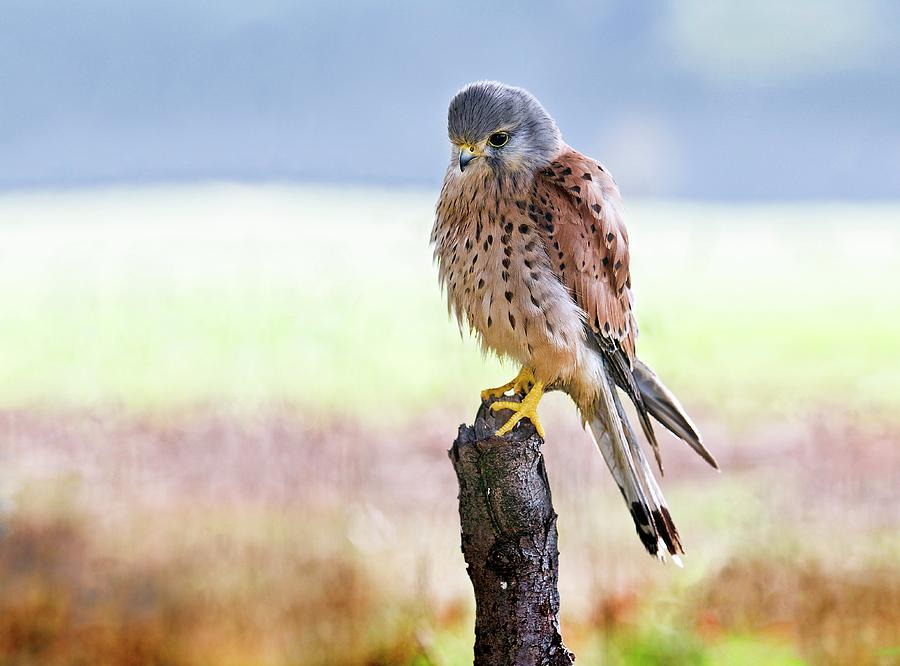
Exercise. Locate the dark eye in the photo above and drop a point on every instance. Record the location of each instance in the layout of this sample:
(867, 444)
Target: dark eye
(498, 139)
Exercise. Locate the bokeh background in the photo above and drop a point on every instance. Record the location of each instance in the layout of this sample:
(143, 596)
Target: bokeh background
(228, 381)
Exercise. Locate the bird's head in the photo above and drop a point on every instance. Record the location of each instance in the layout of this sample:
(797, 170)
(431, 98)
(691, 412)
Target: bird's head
(499, 127)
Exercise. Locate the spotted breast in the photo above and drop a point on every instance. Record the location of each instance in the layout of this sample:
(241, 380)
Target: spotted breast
(493, 263)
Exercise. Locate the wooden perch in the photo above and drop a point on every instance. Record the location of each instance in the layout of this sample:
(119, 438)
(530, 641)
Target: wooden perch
(509, 542)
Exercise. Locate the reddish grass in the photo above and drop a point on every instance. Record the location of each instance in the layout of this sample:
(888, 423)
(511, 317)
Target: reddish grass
(835, 617)
(275, 540)
(63, 602)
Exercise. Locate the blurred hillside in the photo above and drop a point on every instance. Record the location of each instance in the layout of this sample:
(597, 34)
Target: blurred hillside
(727, 100)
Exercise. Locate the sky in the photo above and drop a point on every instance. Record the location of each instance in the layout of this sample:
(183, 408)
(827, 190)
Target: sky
(679, 98)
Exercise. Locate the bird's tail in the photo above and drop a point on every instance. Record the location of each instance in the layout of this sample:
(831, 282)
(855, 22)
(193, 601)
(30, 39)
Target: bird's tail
(617, 442)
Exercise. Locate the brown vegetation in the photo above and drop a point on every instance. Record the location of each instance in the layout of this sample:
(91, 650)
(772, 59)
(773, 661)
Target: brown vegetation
(270, 541)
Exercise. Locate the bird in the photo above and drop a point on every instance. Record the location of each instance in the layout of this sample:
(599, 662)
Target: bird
(533, 256)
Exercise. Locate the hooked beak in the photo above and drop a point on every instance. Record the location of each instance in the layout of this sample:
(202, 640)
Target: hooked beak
(466, 154)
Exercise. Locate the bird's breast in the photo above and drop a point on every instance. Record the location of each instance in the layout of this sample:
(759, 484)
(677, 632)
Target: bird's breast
(496, 272)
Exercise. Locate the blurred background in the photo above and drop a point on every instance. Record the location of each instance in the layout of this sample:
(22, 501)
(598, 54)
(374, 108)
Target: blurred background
(228, 377)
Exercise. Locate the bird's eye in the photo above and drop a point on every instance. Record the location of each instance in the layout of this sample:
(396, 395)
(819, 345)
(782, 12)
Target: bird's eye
(498, 139)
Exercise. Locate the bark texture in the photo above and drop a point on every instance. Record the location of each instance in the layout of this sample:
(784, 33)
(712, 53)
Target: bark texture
(509, 542)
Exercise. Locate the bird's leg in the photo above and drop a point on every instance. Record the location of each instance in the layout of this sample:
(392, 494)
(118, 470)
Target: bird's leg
(525, 409)
(520, 385)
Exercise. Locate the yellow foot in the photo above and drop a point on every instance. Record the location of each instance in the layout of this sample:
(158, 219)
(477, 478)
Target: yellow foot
(520, 385)
(525, 409)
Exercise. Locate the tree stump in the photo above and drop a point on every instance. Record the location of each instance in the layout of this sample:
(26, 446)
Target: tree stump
(509, 542)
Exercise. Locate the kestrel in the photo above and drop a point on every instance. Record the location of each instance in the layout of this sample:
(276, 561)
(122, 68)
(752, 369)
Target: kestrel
(533, 254)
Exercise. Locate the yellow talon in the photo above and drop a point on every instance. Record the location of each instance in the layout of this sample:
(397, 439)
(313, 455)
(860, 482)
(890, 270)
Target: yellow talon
(523, 381)
(525, 409)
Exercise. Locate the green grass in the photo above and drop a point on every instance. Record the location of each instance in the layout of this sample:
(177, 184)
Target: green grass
(654, 647)
(169, 298)
(645, 648)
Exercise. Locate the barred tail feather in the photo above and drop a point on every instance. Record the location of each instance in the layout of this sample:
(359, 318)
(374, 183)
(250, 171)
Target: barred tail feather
(617, 443)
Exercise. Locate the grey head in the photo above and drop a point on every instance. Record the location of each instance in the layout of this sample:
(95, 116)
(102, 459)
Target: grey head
(504, 128)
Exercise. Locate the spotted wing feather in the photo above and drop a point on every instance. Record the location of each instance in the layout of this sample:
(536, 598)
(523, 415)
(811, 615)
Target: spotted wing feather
(588, 244)
(580, 209)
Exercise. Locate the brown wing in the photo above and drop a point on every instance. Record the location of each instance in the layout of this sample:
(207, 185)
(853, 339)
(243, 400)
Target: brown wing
(588, 244)
(579, 209)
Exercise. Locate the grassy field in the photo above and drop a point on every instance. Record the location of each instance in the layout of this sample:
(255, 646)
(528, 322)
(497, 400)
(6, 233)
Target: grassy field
(178, 297)
(225, 410)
